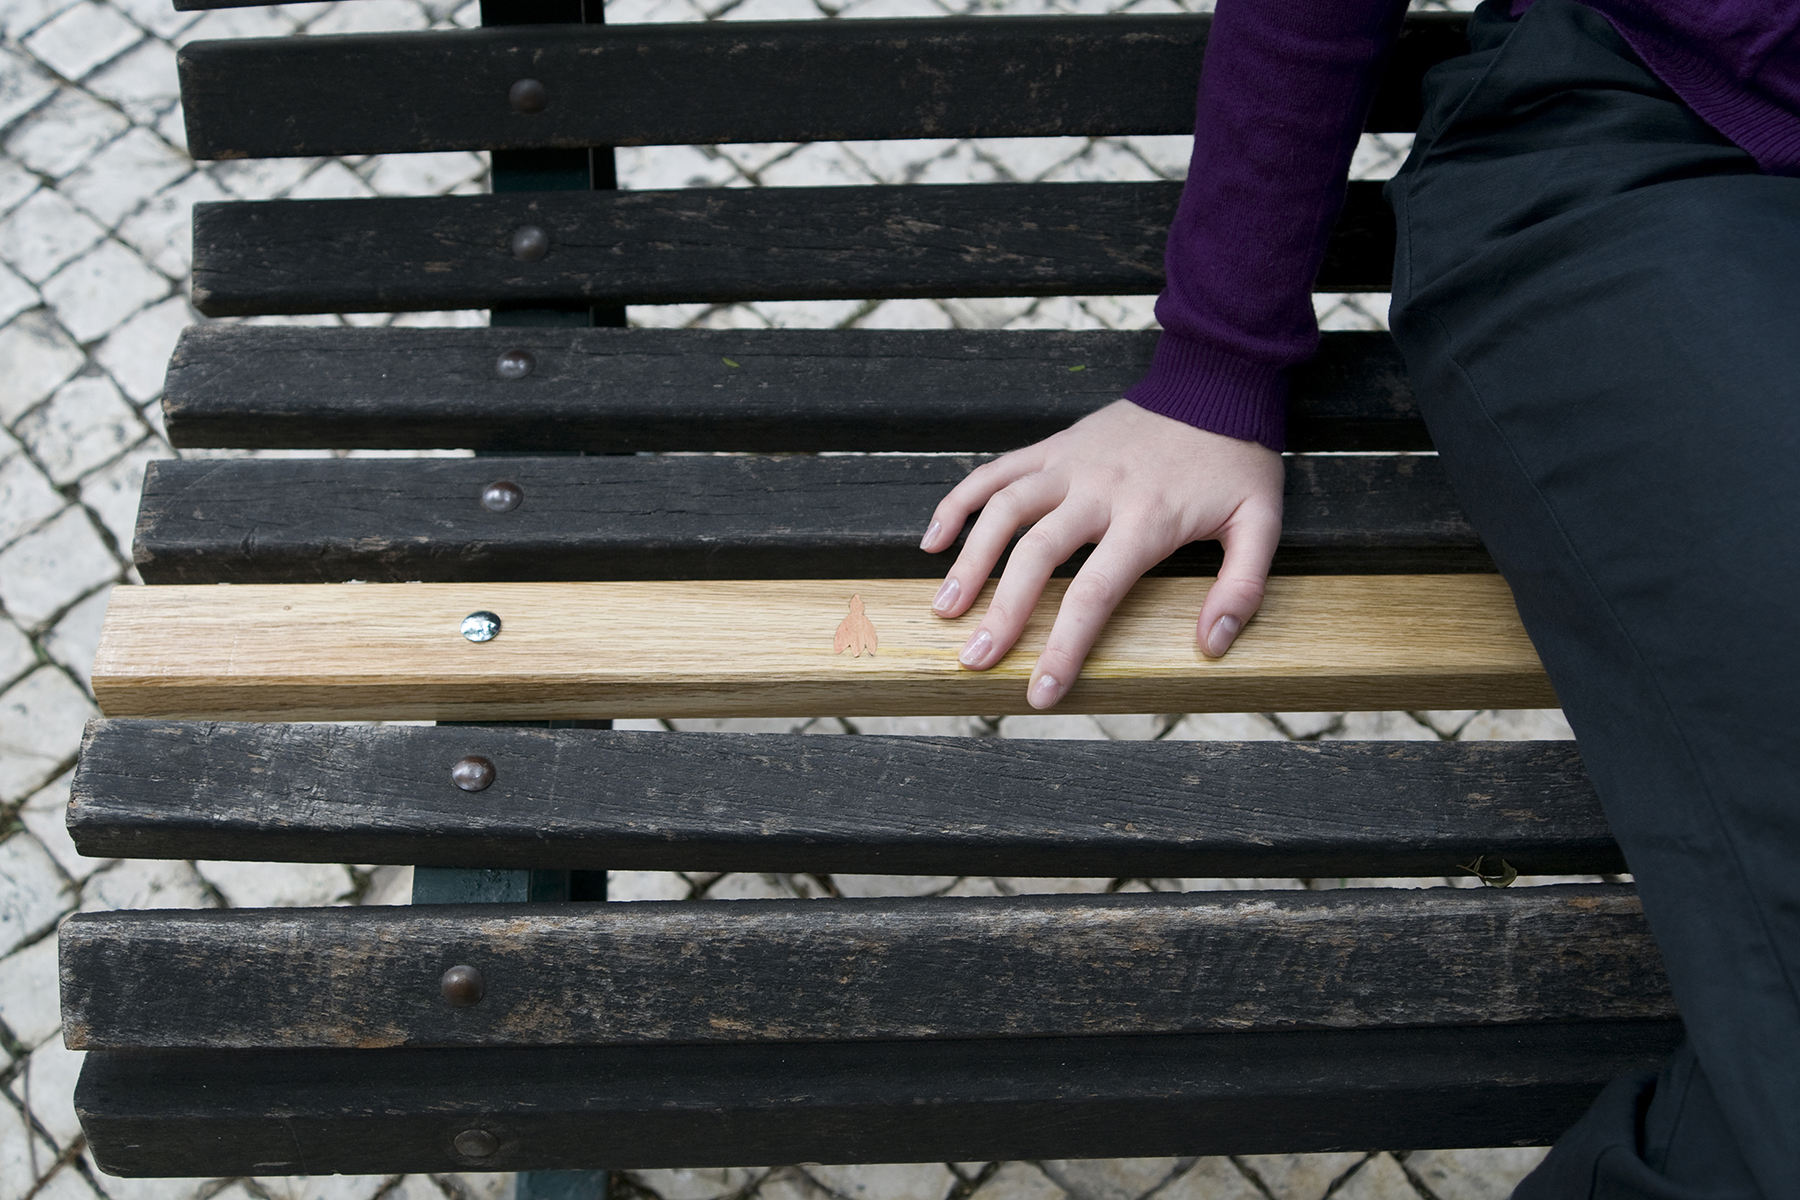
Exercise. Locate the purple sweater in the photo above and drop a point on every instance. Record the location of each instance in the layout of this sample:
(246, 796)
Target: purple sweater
(1284, 92)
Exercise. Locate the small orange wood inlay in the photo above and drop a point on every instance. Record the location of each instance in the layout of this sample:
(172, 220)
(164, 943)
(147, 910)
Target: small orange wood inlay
(855, 632)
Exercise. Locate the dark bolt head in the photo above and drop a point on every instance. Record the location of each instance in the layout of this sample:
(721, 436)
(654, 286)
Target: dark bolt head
(463, 986)
(475, 1143)
(516, 364)
(530, 243)
(472, 773)
(527, 96)
(502, 496)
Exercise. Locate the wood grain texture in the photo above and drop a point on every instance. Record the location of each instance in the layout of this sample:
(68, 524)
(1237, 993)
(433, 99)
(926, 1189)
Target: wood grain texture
(752, 647)
(771, 81)
(718, 245)
(829, 970)
(615, 390)
(365, 1112)
(878, 805)
(680, 517)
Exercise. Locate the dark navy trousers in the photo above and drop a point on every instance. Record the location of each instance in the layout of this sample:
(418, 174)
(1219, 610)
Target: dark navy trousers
(1598, 297)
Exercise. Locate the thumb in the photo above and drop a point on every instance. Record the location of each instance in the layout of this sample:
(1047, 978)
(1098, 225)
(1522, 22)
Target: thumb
(1237, 594)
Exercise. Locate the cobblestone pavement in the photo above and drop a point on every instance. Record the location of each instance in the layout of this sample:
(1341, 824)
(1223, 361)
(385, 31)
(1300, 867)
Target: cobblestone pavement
(95, 191)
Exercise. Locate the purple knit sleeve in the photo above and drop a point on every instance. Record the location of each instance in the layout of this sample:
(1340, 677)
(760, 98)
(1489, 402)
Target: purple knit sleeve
(1284, 90)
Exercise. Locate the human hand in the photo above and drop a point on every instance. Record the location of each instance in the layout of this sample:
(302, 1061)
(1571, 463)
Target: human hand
(1140, 485)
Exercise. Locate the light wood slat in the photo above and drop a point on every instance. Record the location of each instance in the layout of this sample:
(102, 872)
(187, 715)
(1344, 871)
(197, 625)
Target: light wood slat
(381, 1111)
(691, 82)
(661, 649)
(675, 972)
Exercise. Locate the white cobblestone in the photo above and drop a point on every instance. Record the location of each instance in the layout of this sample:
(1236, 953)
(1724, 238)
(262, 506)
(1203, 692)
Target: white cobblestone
(43, 715)
(114, 182)
(137, 352)
(1521, 724)
(86, 424)
(45, 1088)
(23, 84)
(322, 1187)
(708, 1183)
(645, 885)
(1300, 1176)
(23, 1155)
(66, 1184)
(1211, 1179)
(98, 291)
(162, 230)
(277, 885)
(1224, 727)
(29, 1000)
(424, 174)
(157, 16)
(18, 18)
(45, 814)
(1475, 1174)
(145, 883)
(887, 1181)
(261, 178)
(16, 295)
(113, 491)
(59, 137)
(1021, 1181)
(44, 233)
(16, 183)
(53, 566)
(1380, 1178)
(32, 892)
(16, 653)
(82, 37)
(36, 356)
(26, 497)
(236, 23)
(1110, 1178)
(142, 81)
(1386, 726)
(161, 1189)
(74, 638)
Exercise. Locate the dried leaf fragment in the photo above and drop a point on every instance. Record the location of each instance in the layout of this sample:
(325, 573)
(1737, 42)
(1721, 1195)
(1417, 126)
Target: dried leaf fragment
(855, 632)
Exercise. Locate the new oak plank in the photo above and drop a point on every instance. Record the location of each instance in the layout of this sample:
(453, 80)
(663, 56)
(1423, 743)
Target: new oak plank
(594, 799)
(623, 390)
(761, 647)
(718, 245)
(859, 970)
(764, 81)
(629, 517)
(208, 1113)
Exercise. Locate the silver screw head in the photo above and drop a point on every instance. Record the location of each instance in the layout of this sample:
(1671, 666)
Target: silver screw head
(515, 364)
(501, 496)
(473, 773)
(481, 626)
(475, 1143)
(527, 96)
(530, 243)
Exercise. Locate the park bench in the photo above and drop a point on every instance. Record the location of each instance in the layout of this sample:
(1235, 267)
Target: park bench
(508, 1020)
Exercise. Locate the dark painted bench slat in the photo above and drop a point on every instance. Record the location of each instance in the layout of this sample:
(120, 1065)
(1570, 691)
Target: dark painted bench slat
(877, 805)
(616, 390)
(325, 520)
(859, 970)
(684, 83)
(381, 1111)
(718, 245)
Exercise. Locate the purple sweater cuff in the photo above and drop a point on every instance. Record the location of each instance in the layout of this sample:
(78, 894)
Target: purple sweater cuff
(1215, 390)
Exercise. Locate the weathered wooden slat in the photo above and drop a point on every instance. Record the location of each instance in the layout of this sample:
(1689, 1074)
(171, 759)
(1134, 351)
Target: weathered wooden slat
(684, 83)
(385, 520)
(612, 390)
(764, 648)
(718, 245)
(879, 805)
(365, 1112)
(859, 970)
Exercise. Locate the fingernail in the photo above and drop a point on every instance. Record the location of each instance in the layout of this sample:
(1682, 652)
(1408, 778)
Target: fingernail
(977, 649)
(946, 596)
(1224, 632)
(1045, 692)
(930, 533)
